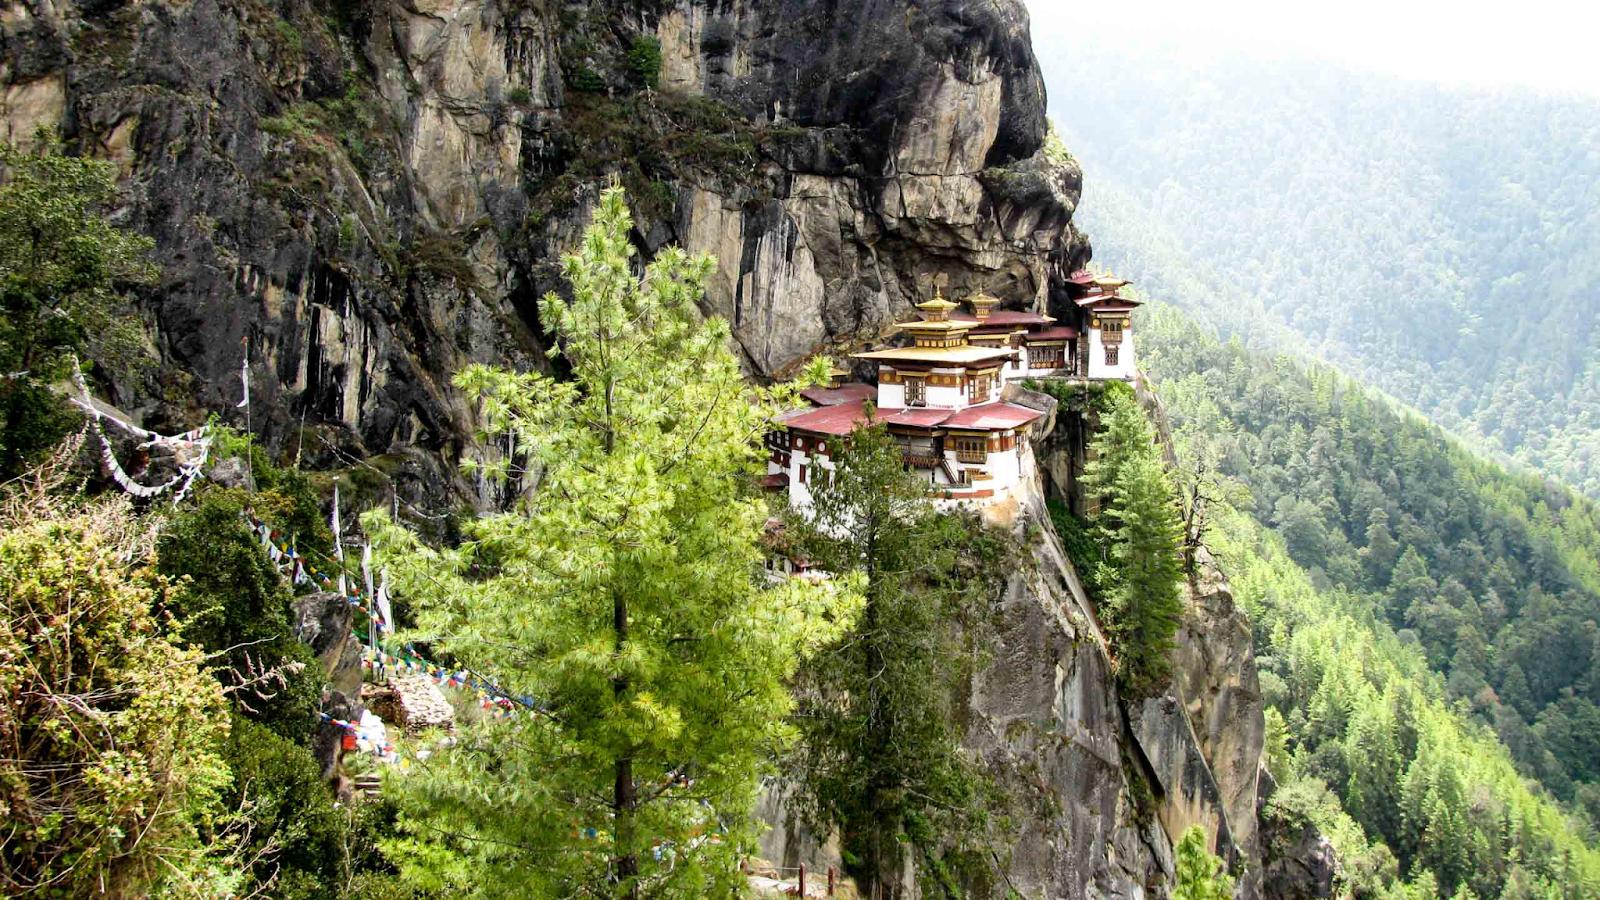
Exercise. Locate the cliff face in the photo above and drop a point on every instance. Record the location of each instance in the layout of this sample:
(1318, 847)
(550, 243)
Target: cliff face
(364, 196)
(374, 194)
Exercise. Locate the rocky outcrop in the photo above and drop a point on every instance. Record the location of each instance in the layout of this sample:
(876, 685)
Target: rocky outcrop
(1298, 861)
(363, 198)
(322, 622)
(1203, 735)
(1046, 714)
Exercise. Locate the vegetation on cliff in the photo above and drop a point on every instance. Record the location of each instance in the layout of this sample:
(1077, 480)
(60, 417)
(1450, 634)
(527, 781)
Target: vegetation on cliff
(1387, 686)
(880, 764)
(1129, 548)
(62, 265)
(622, 606)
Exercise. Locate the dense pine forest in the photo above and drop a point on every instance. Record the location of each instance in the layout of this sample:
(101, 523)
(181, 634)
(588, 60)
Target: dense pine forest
(1435, 243)
(1425, 620)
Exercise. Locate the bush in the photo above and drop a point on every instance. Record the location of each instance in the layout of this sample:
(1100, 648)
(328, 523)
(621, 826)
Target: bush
(230, 600)
(300, 838)
(644, 61)
(110, 780)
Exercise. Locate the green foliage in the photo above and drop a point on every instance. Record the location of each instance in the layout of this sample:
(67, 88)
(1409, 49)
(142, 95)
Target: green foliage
(110, 779)
(1200, 873)
(520, 96)
(233, 603)
(881, 763)
(644, 61)
(1055, 149)
(1495, 576)
(62, 269)
(1419, 798)
(302, 843)
(626, 595)
(1135, 522)
(587, 79)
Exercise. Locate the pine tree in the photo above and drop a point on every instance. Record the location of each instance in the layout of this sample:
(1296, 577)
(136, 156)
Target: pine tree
(1200, 873)
(622, 606)
(881, 762)
(1144, 599)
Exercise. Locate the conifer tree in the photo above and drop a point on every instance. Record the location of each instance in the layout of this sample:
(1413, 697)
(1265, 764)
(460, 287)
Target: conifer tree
(1142, 533)
(1200, 872)
(881, 761)
(622, 606)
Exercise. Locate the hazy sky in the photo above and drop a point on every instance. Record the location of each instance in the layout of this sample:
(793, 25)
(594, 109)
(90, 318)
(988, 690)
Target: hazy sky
(1537, 43)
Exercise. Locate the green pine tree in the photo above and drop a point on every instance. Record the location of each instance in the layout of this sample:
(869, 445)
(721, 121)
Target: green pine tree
(625, 600)
(1134, 514)
(1201, 875)
(881, 762)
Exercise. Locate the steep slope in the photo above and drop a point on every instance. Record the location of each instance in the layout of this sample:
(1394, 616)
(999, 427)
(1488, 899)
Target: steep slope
(1436, 244)
(1409, 597)
(372, 194)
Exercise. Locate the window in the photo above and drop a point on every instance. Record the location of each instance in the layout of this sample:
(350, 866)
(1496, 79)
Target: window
(979, 388)
(916, 392)
(1047, 357)
(972, 449)
(964, 477)
(1111, 355)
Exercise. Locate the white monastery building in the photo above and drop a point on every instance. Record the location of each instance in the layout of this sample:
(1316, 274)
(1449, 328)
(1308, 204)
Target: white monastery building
(941, 395)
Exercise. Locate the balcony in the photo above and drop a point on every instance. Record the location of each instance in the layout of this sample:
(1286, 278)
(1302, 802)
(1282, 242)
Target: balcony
(920, 461)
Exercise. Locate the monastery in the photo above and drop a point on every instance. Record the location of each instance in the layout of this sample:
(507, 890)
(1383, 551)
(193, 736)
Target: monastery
(942, 395)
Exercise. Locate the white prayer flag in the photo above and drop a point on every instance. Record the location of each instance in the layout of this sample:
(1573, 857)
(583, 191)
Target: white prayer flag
(244, 376)
(383, 601)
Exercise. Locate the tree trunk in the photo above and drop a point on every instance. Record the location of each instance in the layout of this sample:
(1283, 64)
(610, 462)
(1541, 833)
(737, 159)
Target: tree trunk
(624, 796)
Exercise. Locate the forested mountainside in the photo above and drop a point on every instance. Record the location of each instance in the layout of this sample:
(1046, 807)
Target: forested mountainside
(1411, 602)
(1437, 244)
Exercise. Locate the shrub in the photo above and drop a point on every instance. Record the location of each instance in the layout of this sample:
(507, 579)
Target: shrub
(231, 601)
(110, 780)
(301, 841)
(644, 61)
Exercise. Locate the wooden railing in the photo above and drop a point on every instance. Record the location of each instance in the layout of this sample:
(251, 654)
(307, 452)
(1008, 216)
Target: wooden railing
(920, 461)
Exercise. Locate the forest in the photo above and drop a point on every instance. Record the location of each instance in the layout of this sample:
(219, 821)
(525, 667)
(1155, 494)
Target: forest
(1425, 620)
(1432, 243)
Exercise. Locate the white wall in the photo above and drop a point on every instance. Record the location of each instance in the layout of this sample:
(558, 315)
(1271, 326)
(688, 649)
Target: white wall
(1125, 366)
(891, 396)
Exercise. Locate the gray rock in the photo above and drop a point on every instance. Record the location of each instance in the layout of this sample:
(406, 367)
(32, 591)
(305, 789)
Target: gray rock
(376, 205)
(232, 473)
(322, 621)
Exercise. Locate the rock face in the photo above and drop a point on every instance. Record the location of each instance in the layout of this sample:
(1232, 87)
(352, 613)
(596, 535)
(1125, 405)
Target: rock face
(1299, 863)
(368, 196)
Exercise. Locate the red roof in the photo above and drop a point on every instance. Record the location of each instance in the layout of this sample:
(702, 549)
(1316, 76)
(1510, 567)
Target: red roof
(1092, 299)
(1058, 333)
(1001, 317)
(775, 481)
(840, 419)
(1082, 276)
(844, 393)
(915, 416)
(992, 417)
(847, 417)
